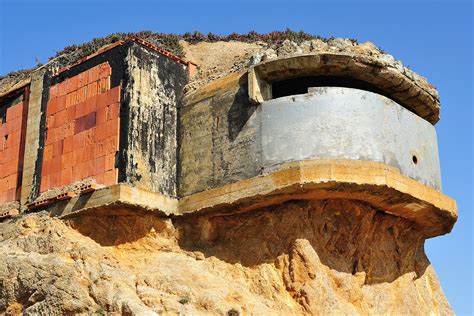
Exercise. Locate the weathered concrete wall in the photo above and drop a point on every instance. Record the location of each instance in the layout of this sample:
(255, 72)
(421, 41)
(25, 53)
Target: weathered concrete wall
(219, 142)
(346, 123)
(225, 139)
(32, 137)
(149, 140)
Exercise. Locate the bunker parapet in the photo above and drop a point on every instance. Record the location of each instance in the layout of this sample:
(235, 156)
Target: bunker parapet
(313, 126)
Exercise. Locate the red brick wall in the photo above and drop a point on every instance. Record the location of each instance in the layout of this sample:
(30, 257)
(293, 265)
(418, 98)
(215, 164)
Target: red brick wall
(12, 126)
(82, 130)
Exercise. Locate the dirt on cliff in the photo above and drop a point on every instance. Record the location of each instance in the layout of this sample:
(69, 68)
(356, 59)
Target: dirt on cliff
(320, 257)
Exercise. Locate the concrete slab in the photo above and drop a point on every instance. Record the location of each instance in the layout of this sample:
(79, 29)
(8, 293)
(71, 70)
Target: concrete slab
(377, 184)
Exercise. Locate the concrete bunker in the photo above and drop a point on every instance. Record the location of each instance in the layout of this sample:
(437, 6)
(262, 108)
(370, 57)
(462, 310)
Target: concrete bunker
(235, 131)
(356, 128)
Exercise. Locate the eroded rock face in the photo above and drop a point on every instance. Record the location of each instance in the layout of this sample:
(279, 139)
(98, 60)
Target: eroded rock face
(325, 257)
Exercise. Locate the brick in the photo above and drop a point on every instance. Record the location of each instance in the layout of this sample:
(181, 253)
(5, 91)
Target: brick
(4, 157)
(45, 182)
(15, 151)
(102, 100)
(3, 196)
(109, 162)
(82, 79)
(113, 111)
(12, 180)
(53, 92)
(48, 152)
(99, 165)
(89, 137)
(17, 123)
(71, 99)
(55, 165)
(60, 118)
(101, 115)
(8, 168)
(67, 160)
(91, 104)
(80, 110)
(11, 195)
(9, 127)
(15, 137)
(113, 95)
(66, 176)
(65, 130)
(104, 70)
(71, 112)
(55, 180)
(100, 132)
(10, 114)
(110, 177)
(3, 185)
(91, 89)
(57, 134)
(104, 84)
(78, 156)
(45, 167)
(111, 145)
(88, 168)
(89, 154)
(93, 74)
(113, 127)
(68, 145)
(50, 122)
(81, 94)
(81, 170)
(17, 109)
(61, 104)
(68, 100)
(76, 173)
(49, 136)
(72, 84)
(62, 88)
(57, 148)
(78, 141)
(8, 140)
(99, 178)
(3, 129)
(90, 120)
(79, 125)
(100, 148)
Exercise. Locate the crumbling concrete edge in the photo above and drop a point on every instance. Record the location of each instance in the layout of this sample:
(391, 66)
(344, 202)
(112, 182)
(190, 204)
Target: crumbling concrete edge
(377, 184)
(395, 83)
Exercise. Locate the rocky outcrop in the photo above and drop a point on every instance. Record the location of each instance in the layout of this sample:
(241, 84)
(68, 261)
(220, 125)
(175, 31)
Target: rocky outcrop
(320, 257)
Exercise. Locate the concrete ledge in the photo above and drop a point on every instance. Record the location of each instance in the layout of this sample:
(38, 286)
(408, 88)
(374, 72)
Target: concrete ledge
(377, 184)
(115, 195)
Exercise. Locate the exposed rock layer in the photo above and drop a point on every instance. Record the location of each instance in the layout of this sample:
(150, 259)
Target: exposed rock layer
(325, 257)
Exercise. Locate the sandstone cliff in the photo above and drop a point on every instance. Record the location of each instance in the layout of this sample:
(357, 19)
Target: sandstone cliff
(328, 257)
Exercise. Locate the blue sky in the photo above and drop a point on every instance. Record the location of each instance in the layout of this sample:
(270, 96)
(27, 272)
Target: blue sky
(434, 38)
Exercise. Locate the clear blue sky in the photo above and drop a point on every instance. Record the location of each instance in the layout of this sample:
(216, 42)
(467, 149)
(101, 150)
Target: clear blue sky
(434, 38)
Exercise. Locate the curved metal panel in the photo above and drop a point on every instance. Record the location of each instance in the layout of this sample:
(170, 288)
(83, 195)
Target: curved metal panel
(347, 123)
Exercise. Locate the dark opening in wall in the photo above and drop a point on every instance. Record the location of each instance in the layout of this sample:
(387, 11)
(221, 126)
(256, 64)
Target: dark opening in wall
(300, 85)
